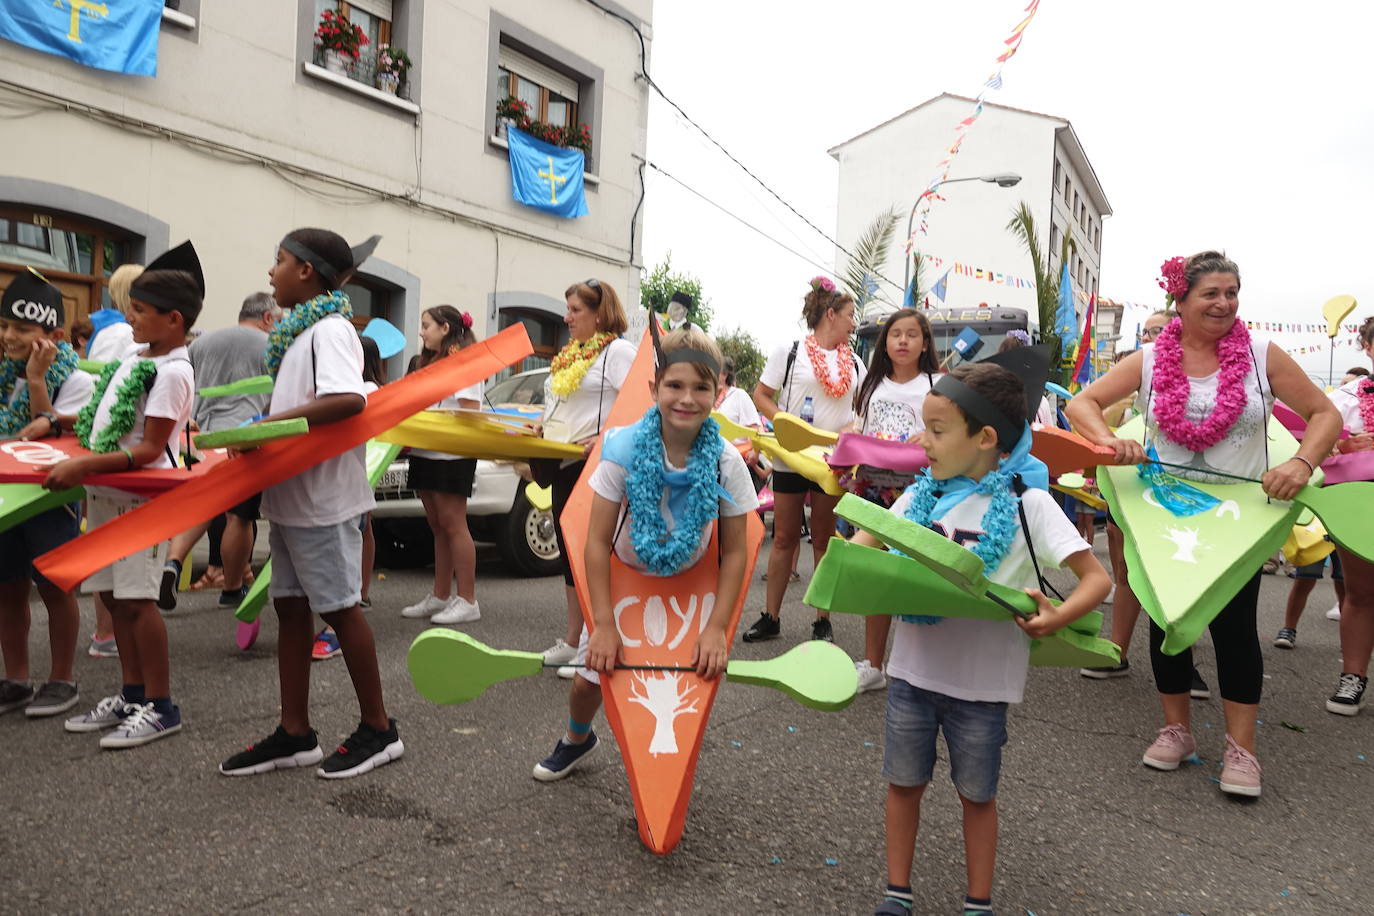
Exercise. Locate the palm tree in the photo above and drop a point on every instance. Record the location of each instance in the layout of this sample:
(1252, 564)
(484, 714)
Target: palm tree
(1022, 225)
(864, 271)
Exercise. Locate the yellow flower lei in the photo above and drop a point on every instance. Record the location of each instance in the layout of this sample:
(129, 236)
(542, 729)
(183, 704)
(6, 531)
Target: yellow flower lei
(574, 361)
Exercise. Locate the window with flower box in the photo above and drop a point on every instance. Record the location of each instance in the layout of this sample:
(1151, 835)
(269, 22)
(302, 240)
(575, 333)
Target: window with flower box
(363, 44)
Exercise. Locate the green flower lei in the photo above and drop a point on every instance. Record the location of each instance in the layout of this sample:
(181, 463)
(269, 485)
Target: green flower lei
(123, 411)
(15, 414)
(300, 319)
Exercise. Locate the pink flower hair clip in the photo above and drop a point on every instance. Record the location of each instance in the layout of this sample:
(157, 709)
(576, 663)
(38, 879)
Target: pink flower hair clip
(467, 320)
(819, 283)
(1173, 279)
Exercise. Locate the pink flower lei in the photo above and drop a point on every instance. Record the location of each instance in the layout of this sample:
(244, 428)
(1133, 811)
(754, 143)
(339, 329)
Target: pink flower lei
(1365, 389)
(1171, 387)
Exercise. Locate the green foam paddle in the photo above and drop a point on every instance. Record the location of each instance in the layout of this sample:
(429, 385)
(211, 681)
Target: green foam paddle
(450, 667)
(250, 608)
(258, 384)
(853, 579)
(20, 502)
(246, 437)
(92, 366)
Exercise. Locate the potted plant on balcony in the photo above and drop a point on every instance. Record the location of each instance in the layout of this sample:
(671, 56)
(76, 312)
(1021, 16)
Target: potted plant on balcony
(511, 111)
(392, 66)
(340, 40)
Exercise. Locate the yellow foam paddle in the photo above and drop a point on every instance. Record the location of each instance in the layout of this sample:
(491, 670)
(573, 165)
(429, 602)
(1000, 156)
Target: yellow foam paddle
(540, 497)
(1334, 311)
(795, 434)
(809, 462)
(450, 667)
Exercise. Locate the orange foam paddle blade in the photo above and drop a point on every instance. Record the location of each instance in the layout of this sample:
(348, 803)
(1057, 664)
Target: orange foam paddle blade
(1063, 451)
(232, 482)
(659, 717)
(25, 462)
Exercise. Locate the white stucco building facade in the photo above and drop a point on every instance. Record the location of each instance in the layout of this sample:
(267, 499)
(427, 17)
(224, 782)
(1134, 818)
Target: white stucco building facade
(243, 136)
(889, 165)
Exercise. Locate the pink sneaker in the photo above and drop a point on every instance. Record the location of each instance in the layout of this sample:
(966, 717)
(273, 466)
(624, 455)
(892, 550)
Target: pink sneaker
(1240, 771)
(1174, 745)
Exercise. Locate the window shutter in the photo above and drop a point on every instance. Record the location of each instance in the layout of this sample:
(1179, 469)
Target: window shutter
(379, 8)
(537, 72)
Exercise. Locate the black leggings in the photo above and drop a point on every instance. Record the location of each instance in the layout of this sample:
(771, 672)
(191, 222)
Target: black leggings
(1240, 666)
(564, 479)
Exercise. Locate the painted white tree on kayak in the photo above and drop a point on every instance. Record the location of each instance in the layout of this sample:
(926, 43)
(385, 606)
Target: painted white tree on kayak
(665, 694)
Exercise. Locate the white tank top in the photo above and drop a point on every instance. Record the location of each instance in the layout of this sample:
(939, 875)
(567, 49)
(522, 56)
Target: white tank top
(1244, 450)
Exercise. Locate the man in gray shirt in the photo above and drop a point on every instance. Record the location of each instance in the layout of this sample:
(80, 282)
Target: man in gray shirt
(220, 357)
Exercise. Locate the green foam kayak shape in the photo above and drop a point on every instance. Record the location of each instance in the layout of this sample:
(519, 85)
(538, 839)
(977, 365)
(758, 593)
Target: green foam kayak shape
(961, 567)
(258, 384)
(853, 579)
(242, 437)
(1185, 570)
(20, 502)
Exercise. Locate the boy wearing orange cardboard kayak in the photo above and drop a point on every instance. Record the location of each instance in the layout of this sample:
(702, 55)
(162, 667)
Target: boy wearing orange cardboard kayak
(659, 486)
(958, 675)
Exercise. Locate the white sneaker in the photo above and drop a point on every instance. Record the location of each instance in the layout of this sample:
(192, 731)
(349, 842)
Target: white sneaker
(568, 672)
(560, 653)
(870, 678)
(1335, 612)
(459, 610)
(427, 608)
(1111, 596)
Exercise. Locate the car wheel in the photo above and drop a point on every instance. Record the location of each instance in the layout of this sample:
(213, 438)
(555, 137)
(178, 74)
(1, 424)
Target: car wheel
(528, 543)
(403, 543)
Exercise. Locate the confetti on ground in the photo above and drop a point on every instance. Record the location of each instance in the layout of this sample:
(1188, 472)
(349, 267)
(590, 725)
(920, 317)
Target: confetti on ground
(868, 744)
(1193, 759)
(1297, 728)
(1359, 756)
(830, 861)
(1285, 892)
(791, 728)
(1259, 721)
(1214, 779)
(736, 744)
(775, 861)
(1206, 724)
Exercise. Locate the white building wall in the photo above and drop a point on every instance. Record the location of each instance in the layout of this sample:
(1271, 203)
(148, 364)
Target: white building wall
(237, 80)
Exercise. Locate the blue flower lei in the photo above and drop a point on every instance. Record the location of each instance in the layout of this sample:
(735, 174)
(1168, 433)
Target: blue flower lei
(15, 414)
(999, 521)
(298, 320)
(124, 410)
(661, 552)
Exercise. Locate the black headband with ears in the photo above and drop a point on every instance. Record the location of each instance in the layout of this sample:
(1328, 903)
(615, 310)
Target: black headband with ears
(680, 355)
(980, 409)
(327, 271)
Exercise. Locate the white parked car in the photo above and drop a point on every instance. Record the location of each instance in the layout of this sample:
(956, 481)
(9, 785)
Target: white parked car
(498, 511)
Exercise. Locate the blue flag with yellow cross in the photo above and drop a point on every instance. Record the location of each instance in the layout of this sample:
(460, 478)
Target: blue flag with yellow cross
(118, 35)
(545, 176)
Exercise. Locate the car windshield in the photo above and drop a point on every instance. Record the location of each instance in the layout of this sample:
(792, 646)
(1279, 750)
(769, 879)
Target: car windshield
(520, 390)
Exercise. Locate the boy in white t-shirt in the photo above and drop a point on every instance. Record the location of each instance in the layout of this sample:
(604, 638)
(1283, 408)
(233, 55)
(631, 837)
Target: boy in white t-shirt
(661, 483)
(41, 389)
(958, 675)
(316, 538)
(136, 418)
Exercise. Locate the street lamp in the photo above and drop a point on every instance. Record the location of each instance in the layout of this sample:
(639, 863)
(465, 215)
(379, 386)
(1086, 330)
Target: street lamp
(1003, 180)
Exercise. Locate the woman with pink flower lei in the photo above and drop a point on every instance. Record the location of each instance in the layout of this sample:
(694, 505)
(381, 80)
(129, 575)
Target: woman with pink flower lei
(1206, 389)
(1355, 401)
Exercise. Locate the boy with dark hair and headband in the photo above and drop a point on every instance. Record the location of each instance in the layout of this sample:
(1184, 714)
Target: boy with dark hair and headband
(135, 419)
(984, 491)
(40, 391)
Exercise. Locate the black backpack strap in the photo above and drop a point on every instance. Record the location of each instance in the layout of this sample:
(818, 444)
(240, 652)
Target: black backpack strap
(787, 373)
(1019, 486)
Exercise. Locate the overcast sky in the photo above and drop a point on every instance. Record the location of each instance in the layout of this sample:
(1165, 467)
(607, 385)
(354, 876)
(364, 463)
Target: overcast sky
(1246, 126)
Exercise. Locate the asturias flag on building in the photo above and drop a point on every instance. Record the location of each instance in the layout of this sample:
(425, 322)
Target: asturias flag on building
(119, 35)
(545, 176)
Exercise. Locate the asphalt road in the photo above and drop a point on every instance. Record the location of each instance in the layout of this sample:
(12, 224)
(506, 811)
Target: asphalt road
(786, 816)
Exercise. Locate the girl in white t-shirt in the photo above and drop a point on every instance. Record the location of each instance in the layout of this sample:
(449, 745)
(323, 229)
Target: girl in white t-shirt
(444, 483)
(888, 406)
(820, 369)
(735, 405)
(660, 485)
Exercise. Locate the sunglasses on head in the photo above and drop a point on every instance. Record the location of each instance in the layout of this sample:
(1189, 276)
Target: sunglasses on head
(596, 285)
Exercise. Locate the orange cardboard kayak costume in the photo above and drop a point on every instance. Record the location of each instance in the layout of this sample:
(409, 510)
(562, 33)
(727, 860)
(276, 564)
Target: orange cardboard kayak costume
(206, 495)
(659, 717)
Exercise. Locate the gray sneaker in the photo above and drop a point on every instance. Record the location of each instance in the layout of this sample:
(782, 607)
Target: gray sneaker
(108, 713)
(143, 723)
(52, 698)
(15, 695)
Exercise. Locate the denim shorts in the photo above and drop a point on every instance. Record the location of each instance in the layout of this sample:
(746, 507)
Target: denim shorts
(30, 539)
(322, 564)
(1314, 570)
(974, 734)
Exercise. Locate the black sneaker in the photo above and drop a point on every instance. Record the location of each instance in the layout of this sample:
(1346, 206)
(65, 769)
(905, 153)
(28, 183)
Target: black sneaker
(1346, 700)
(1287, 638)
(52, 698)
(278, 751)
(232, 597)
(167, 594)
(363, 751)
(16, 695)
(1199, 690)
(821, 629)
(764, 628)
(565, 758)
(1102, 672)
